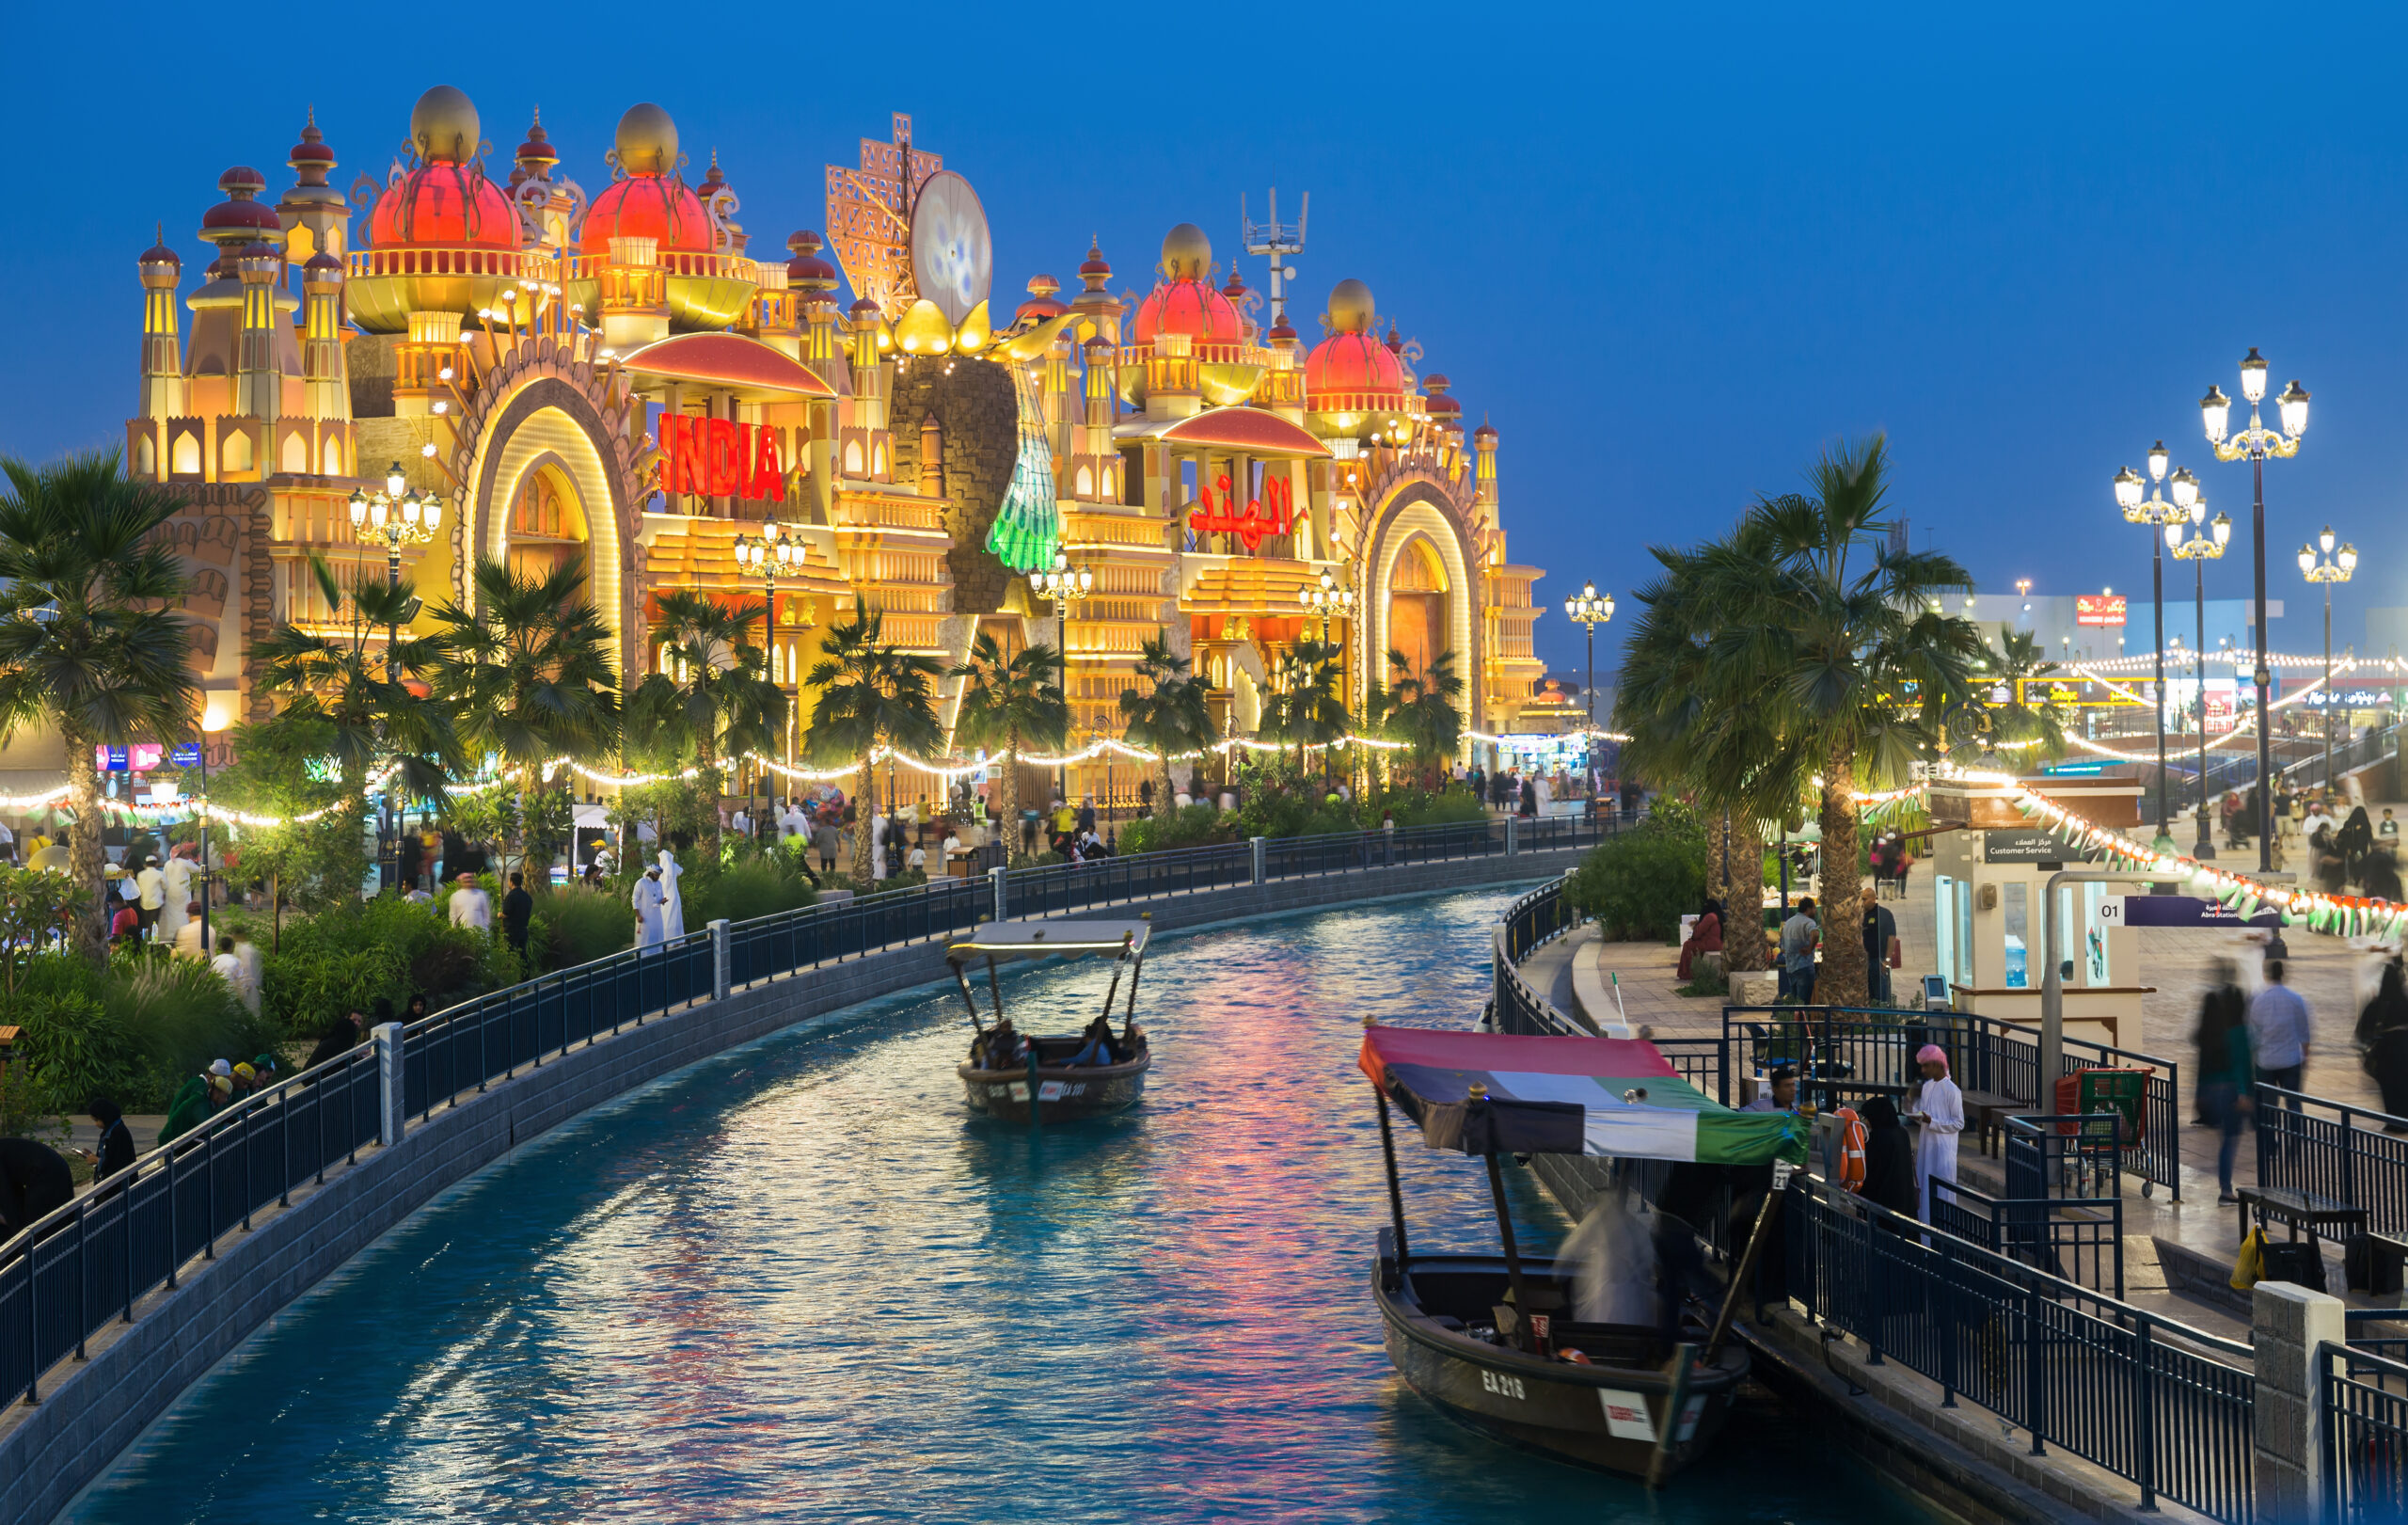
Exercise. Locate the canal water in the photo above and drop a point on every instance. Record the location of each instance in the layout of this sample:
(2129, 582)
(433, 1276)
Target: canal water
(798, 1281)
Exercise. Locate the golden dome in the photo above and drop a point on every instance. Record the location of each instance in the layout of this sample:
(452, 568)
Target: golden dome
(1350, 307)
(647, 142)
(443, 126)
(1187, 254)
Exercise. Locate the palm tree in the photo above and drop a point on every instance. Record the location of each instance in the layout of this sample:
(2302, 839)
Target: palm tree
(1843, 644)
(1304, 706)
(87, 645)
(1421, 708)
(720, 703)
(1174, 716)
(2016, 718)
(529, 671)
(871, 692)
(1007, 701)
(371, 714)
(1694, 728)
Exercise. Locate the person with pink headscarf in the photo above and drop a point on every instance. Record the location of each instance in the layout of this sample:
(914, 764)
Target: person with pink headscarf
(1939, 1109)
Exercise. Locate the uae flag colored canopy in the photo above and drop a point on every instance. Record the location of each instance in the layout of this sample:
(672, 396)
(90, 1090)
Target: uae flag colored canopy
(1611, 1096)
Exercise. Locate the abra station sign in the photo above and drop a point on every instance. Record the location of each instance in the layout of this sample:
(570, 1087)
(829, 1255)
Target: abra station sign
(721, 458)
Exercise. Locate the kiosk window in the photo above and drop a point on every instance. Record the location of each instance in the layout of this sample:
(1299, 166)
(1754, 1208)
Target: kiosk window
(2018, 903)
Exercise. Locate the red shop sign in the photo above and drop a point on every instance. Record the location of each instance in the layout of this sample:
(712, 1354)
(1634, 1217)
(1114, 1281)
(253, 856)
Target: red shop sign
(1220, 516)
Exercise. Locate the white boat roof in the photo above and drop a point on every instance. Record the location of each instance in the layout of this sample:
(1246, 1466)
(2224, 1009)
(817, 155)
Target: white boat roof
(1056, 938)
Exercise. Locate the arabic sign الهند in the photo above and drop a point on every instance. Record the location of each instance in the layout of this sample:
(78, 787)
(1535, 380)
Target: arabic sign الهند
(1218, 515)
(2031, 847)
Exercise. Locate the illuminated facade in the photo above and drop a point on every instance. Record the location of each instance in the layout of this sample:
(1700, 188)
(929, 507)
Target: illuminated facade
(621, 377)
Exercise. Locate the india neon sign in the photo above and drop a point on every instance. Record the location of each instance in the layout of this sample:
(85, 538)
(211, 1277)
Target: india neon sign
(1219, 514)
(721, 458)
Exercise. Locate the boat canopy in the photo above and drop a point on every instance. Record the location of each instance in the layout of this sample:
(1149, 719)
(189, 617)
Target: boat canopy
(1607, 1096)
(1053, 939)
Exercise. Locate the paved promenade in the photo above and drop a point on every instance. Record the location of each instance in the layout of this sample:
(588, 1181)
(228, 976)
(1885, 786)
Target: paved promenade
(2328, 972)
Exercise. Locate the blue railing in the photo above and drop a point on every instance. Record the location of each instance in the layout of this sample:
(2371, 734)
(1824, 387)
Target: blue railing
(1517, 1006)
(2164, 1406)
(66, 1277)
(2326, 1149)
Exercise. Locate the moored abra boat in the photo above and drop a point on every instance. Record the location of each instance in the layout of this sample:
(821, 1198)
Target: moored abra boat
(1053, 1077)
(1484, 1337)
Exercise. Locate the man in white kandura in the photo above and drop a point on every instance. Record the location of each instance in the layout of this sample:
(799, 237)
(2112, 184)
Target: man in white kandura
(647, 900)
(673, 904)
(1939, 1107)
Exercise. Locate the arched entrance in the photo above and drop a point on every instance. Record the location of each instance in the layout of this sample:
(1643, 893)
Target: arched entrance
(547, 524)
(1417, 606)
(1422, 596)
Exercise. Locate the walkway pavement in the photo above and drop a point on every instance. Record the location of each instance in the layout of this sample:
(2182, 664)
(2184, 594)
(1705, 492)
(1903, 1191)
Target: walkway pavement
(2331, 973)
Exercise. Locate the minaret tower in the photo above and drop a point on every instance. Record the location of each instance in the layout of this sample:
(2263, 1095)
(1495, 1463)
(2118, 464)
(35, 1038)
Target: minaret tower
(163, 364)
(314, 214)
(326, 386)
(258, 383)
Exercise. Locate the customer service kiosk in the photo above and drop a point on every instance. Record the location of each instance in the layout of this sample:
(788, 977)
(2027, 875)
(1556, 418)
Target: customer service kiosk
(1989, 873)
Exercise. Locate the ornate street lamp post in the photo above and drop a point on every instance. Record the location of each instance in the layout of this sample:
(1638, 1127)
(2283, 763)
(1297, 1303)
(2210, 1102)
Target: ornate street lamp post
(1590, 609)
(1332, 599)
(773, 554)
(2155, 512)
(1062, 583)
(2201, 547)
(2254, 445)
(2332, 566)
(397, 517)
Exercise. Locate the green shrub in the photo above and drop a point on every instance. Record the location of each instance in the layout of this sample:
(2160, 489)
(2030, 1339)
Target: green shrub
(73, 1049)
(1638, 885)
(578, 926)
(386, 948)
(1454, 804)
(741, 890)
(178, 1015)
(1196, 826)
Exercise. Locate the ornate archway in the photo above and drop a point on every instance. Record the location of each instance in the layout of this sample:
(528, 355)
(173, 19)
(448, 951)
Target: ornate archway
(1419, 580)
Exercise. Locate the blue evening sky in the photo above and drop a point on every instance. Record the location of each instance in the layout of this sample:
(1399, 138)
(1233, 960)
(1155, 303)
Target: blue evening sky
(1669, 251)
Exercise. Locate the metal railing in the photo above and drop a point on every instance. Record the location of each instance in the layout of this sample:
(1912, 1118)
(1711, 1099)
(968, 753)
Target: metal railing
(2078, 1155)
(2081, 1239)
(69, 1275)
(2365, 1396)
(2308, 1144)
(1518, 1005)
(2159, 1404)
(63, 1279)
(1852, 1049)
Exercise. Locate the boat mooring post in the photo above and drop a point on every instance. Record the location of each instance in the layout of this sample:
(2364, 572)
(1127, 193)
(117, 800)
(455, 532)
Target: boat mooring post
(1684, 1363)
(1479, 1098)
(1396, 1189)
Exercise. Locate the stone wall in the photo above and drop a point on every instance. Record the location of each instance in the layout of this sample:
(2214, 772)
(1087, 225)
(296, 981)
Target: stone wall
(92, 1409)
(973, 403)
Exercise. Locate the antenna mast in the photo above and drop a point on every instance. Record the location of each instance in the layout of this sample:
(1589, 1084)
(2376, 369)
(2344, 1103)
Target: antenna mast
(1272, 239)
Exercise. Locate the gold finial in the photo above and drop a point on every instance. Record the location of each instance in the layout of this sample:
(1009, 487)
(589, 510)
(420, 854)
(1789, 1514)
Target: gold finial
(312, 121)
(1478, 1092)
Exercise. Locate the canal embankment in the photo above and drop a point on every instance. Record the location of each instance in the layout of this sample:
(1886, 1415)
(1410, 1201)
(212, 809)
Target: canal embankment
(96, 1399)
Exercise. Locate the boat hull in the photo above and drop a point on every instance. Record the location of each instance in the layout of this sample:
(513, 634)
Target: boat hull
(1059, 1095)
(1603, 1416)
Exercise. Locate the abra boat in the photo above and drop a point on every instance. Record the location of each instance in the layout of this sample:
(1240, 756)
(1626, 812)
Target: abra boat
(1040, 1086)
(1484, 1337)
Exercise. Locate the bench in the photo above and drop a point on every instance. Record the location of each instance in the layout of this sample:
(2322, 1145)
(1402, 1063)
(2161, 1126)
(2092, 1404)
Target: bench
(1987, 1111)
(2297, 1209)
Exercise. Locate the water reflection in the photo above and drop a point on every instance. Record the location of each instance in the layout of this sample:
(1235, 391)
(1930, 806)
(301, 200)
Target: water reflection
(803, 1281)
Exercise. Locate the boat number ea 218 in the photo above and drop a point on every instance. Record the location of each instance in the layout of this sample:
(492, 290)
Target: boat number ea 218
(1497, 1382)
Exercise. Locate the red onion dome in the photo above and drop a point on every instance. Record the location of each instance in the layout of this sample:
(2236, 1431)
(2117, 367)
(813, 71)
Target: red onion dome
(866, 309)
(1040, 304)
(807, 271)
(660, 208)
(445, 204)
(160, 254)
(537, 152)
(1094, 264)
(311, 157)
(324, 262)
(1282, 331)
(1351, 365)
(1441, 406)
(1487, 433)
(1187, 307)
(241, 213)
